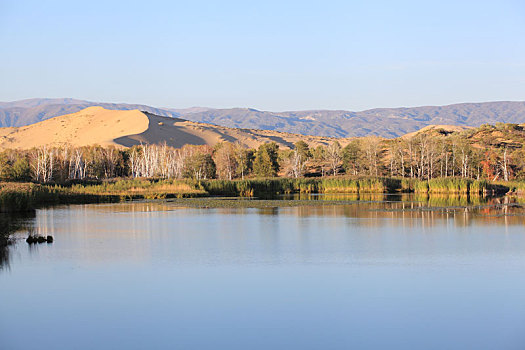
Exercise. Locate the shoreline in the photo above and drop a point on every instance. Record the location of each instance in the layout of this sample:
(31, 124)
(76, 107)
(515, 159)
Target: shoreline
(20, 197)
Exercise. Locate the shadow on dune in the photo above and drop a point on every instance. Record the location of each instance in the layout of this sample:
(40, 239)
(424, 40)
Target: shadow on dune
(160, 130)
(178, 132)
(223, 136)
(279, 140)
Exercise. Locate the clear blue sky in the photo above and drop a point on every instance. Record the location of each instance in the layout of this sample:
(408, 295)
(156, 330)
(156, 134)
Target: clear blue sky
(271, 55)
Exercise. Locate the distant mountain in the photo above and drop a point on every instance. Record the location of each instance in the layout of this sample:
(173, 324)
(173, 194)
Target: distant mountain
(386, 122)
(36, 102)
(96, 125)
(26, 112)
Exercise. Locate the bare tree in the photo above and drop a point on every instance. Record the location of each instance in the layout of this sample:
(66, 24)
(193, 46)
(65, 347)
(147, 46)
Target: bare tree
(334, 156)
(504, 165)
(77, 165)
(297, 163)
(226, 160)
(43, 160)
(371, 145)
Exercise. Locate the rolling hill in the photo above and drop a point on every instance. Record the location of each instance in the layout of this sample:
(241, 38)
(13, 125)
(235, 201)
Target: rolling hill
(385, 122)
(97, 125)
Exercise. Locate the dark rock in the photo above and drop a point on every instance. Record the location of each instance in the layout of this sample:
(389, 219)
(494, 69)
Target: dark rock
(31, 240)
(50, 239)
(41, 239)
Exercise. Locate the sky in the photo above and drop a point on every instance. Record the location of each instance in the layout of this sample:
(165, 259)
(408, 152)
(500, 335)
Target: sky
(270, 55)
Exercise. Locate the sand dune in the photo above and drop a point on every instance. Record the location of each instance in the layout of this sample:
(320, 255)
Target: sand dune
(430, 128)
(96, 125)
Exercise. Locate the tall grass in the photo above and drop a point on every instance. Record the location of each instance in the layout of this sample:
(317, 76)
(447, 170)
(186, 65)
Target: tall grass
(456, 185)
(515, 187)
(340, 185)
(273, 186)
(361, 185)
(449, 185)
(408, 185)
(259, 187)
(18, 197)
(140, 188)
(420, 186)
(478, 187)
(25, 196)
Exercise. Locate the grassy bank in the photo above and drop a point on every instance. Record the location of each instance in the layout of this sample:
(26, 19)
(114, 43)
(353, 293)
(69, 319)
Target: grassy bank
(514, 187)
(15, 197)
(140, 188)
(261, 187)
(455, 185)
(18, 197)
(273, 186)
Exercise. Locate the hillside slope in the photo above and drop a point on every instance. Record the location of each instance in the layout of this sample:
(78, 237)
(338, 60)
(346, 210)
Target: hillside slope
(27, 112)
(385, 122)
(97, 125)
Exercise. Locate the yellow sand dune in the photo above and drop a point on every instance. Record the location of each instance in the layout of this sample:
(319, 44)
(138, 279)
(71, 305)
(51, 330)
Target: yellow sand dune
(430, 128)
(96, 125)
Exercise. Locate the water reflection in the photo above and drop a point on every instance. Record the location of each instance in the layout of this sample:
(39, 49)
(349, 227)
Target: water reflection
(463, 210)
(9, 225)
(141, 231)
(136, 228)
(397, 273)
(429, 199)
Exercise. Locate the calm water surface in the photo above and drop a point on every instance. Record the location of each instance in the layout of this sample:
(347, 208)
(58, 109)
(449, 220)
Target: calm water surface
(371, 275)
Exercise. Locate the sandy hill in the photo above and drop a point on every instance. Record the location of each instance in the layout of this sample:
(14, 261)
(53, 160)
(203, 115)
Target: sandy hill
(125, 128)
(435, 129)
(384, 122)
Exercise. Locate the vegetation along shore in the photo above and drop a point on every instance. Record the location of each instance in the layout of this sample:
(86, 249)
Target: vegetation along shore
(478, 161)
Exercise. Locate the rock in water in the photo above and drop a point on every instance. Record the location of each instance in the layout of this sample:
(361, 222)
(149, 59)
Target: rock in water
(39, 239)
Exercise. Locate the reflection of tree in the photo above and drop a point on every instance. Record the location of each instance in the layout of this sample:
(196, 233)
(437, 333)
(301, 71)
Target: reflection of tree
(9, 224)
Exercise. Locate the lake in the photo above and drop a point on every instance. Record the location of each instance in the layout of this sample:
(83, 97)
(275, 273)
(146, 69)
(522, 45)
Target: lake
(372, 274)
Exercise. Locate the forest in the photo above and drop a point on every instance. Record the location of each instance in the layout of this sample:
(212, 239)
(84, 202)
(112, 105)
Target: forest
(492, 153)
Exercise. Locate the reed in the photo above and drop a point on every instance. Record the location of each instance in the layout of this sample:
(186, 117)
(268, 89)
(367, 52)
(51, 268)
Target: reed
(478, 187)
(408, 185)
(339, 185)
(449, 185)
(260, 187)
(515, 187)
(140, 188)
(360, 185)
(372, 185)
(18, 197)
(15, 197)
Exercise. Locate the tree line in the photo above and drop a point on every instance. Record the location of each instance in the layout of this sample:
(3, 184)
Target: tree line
(424, 156)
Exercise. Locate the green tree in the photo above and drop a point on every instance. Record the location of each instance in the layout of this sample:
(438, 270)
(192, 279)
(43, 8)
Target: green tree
(200, 166)
(303, 150)
(351, 156)
(318, 153)
(21, 170)
(5, 167)
(244, 159)
(266, 162)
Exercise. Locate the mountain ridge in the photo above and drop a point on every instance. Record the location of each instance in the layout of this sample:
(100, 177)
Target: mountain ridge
(385, 122)
(96, 125)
